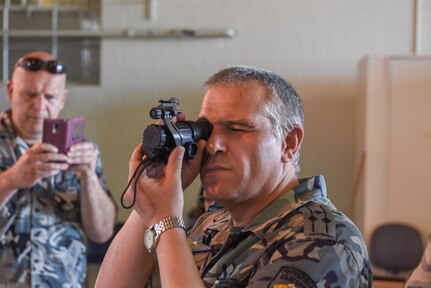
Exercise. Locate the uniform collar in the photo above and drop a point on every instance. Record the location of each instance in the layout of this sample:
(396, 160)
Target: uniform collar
(309, 189)
(6, 127)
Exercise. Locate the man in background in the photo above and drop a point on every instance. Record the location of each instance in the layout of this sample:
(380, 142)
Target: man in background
(49, 202)
(204, 205)
(275, 230)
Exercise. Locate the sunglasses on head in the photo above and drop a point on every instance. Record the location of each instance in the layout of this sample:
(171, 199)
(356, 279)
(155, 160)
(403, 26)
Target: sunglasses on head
(35, 64)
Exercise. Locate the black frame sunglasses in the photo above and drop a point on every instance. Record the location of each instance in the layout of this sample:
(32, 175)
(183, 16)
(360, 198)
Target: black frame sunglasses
(35, 64)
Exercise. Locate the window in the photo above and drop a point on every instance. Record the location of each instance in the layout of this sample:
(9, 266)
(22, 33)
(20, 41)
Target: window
(57, 26)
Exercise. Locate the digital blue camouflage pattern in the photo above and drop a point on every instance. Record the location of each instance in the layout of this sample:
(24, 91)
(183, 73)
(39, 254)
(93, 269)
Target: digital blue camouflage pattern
(300, 240)
(42, 242)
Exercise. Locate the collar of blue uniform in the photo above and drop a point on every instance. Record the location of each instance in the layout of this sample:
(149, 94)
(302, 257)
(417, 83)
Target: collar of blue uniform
(6, 127)
(7, 131)
(309, 189)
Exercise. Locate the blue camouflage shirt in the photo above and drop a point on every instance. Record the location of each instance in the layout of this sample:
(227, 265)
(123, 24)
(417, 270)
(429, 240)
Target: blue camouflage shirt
(42, 242)
(300, 240)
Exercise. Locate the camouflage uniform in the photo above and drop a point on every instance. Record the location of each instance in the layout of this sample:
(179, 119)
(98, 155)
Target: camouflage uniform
(42, 242)
(421, 276)
(300, 240)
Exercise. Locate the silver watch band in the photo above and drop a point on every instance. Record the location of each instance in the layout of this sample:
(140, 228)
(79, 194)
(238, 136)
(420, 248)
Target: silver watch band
(152, 234)
(169, 223)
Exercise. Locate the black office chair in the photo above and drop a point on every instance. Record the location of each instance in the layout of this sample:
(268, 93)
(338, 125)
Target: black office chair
(396, 248)
(96, 251)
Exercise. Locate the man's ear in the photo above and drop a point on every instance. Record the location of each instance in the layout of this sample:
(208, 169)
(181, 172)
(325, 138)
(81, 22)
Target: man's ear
(9, 89)
(292, 143)
(65, 94)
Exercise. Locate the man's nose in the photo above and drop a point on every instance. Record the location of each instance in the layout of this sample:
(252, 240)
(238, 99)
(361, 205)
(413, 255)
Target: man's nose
(216, 143)
(39, 102)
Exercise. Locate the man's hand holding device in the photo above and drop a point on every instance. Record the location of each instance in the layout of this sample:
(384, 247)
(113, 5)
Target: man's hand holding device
(68, 136)
(63, 133)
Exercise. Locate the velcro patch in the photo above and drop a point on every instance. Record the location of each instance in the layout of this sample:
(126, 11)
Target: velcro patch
(318, 219)
(289, 277)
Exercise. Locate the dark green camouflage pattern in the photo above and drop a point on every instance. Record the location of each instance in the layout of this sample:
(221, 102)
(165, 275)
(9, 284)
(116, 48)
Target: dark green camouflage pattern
(300, 239)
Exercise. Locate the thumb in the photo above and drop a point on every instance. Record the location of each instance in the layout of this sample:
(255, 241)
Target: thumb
(175, 163)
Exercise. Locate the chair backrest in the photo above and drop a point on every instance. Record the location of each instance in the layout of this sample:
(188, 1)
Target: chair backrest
(396, 247)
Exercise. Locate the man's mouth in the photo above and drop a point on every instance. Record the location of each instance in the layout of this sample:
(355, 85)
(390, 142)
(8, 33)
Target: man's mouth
(213, 169)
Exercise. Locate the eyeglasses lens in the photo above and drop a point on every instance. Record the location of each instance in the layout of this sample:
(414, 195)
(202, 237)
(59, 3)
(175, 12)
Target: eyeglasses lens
(35, 64)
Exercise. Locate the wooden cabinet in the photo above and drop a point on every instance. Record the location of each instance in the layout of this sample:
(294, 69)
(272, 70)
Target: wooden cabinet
(394, 135)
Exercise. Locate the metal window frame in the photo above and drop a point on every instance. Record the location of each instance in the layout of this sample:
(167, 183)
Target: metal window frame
(125, 33)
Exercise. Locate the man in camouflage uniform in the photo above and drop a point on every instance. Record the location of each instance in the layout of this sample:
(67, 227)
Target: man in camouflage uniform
(49, 202)
(421, 276)
(276, 229)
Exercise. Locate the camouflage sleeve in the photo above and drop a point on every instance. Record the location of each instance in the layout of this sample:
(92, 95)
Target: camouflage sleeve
(99, 173)
(311, 263)
(421, 276)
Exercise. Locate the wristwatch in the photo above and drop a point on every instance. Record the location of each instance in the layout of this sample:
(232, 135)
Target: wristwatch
(152, 234)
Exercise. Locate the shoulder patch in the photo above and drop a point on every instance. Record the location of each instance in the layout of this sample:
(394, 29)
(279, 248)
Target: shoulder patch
(318, 219)
(289, 277)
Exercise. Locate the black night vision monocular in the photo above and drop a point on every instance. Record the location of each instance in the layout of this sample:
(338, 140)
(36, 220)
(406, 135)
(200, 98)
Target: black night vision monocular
(159, 140)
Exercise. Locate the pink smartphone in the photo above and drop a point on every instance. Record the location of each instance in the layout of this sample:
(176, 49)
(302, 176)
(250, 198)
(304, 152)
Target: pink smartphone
(63, 133)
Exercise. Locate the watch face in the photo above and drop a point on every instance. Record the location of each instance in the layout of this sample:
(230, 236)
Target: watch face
(149, 240)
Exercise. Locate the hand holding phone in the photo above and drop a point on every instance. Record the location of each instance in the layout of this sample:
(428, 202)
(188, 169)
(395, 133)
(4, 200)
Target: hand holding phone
(63, 133)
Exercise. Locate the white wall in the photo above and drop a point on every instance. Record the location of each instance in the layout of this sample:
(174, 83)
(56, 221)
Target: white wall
(396, 137)
(314, 44)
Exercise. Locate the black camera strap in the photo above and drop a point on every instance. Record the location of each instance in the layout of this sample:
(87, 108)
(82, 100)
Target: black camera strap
(141, 167)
